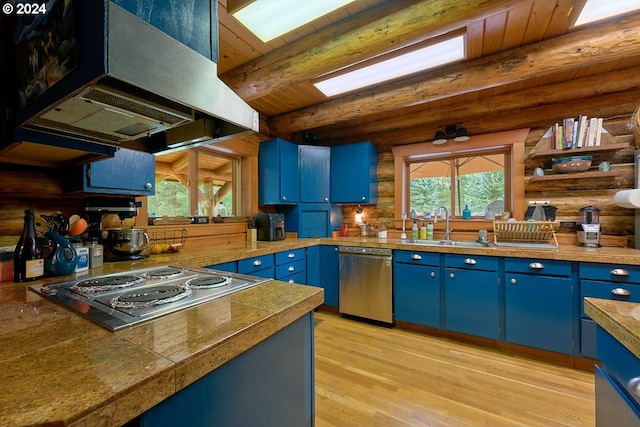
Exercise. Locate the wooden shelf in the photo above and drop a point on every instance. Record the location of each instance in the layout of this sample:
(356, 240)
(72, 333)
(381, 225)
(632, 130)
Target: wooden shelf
(594, 174)
(577, 151)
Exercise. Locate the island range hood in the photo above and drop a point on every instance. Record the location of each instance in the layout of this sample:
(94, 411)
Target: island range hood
(132, 85)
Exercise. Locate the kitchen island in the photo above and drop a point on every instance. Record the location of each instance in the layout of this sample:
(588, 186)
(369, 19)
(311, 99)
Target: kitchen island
(57, 368)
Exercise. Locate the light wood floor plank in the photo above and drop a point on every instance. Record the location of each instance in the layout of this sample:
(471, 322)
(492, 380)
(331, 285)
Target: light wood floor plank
(368, 375)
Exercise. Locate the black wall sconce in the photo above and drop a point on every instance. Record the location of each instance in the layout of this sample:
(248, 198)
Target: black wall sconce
(451, 131)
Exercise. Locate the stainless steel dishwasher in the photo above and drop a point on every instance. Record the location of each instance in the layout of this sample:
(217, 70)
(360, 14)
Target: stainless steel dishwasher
(366, 283)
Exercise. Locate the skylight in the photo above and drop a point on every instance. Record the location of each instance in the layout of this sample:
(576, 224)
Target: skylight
(595, 10)
(398, 66)
(268, 19)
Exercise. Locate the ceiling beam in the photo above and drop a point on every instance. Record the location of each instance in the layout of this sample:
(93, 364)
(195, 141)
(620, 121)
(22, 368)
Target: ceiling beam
(355, 39)
(614, 40)
(431, 118)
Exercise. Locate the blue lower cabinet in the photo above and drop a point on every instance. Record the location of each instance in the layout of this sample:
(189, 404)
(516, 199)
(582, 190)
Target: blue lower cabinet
(417, 290)
(472, 296)
(539, 311)
(270, 384)
(261, 266)
(322, 271)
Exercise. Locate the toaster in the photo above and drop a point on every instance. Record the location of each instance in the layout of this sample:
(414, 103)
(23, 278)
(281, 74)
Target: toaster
(270, 226)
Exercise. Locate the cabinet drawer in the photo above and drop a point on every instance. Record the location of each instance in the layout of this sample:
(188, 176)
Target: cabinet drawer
(415, 257)
(250, 265)
(608, 290)
(613, 272)
(472, 262)
(588, 338)
(537, 267)
(285, 270)
(290, 256)
(231, 266)
(298, 278)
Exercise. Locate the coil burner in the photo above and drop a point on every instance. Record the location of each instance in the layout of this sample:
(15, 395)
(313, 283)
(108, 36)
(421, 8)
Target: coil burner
(109, 283)
(165, 273)
(150, 296)
(208, 282)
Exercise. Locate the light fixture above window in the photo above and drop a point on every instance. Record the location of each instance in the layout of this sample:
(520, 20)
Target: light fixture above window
(268, 19)
(394, 65)
(595, 10)
(451, 131)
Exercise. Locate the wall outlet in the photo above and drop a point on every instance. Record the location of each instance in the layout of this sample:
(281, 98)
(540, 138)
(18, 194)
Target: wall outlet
(568, 224)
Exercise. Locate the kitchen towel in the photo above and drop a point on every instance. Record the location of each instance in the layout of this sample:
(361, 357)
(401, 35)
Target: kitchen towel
(628, 198)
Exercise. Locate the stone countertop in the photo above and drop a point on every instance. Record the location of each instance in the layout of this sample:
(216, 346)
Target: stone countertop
(620, 318)
(57, 368)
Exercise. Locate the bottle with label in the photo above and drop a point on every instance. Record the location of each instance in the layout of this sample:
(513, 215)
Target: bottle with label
(466, 212)
(28, 262)
(414, 230)
(430, 231)
(221, 210)
(423, 232)
(96, 253)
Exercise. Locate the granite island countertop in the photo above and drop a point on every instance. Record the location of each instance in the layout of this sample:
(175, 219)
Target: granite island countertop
(56, 367)
(620, 318)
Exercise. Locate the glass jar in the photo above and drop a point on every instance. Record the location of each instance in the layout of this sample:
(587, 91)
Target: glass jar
(96, 253)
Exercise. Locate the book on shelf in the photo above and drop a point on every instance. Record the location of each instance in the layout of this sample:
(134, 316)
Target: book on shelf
(598, 136)
(568, 125)
(581, 131)
(591, 136)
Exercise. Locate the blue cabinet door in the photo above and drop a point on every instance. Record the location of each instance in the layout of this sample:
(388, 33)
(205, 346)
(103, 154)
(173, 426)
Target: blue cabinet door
(539, 312)
(278, 173)
(472, 302)
(354, 173)
(128, 172)
(312, 219)
(322, 271)
(416, 292)
(314, 164)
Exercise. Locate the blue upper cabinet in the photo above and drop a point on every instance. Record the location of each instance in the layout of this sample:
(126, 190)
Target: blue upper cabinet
(194, 23)
(354, 173)
(314, 163)
(129, 172)
(278, 173)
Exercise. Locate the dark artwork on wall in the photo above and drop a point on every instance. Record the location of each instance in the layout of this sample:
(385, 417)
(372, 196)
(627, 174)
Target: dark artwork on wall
(45, 47)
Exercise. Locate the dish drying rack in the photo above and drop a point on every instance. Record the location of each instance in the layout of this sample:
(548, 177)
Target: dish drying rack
(163, 241)
(525, 231)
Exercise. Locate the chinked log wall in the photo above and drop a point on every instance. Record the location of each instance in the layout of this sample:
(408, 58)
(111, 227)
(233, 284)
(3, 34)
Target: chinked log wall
(567, 195)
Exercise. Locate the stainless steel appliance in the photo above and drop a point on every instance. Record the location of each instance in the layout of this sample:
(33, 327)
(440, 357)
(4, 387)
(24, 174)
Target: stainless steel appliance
(131, 84)
(120, 300)
(589, 227)
(270, 226)
(366, 283)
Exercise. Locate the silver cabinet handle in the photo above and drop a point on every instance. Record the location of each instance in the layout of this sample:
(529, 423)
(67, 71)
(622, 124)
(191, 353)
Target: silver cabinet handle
(148, 186)
(470, 261)
(284, 198)
(620, 272)
(364, 198)
(513, 281)
(416, 257)
(634, 386)
(536, 266)
(326, 199)
(291, 255)
(257, 263)
(432, 274)
(291, 281)
(452, 275)
(620, 292)
(292, 268)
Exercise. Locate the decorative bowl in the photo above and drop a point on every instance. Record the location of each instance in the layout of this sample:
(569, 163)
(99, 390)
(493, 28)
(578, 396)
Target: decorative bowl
(571, 164)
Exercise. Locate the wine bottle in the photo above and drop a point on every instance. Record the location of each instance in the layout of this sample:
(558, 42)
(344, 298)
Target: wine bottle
(28, 262)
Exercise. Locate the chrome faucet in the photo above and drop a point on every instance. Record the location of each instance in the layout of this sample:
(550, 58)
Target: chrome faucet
(436, 214)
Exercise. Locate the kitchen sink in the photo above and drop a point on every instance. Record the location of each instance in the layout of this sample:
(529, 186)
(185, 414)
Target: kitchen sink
(455, 243)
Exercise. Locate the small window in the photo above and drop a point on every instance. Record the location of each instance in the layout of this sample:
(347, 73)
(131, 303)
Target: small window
(452, 181)
(216, 175)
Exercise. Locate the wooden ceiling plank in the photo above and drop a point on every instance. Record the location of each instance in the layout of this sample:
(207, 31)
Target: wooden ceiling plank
(494, 29)
(559, 22)
(356, 39)
(475, 38)
(515, 26)
(541, 13)
(608, 42)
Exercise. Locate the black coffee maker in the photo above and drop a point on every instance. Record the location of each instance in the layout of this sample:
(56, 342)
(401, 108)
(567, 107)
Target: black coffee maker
(270, 226)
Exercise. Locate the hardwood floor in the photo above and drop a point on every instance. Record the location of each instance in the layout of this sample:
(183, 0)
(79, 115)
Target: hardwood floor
(369, 375)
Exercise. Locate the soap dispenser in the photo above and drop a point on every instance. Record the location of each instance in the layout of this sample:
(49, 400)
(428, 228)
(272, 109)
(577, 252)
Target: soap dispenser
(466, 212)
(423, 232)
(414, 230)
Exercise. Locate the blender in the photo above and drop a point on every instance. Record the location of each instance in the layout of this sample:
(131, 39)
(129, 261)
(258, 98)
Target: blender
(589, 227)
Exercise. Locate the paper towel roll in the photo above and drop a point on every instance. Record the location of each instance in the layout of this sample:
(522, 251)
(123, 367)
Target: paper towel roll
(628, 198)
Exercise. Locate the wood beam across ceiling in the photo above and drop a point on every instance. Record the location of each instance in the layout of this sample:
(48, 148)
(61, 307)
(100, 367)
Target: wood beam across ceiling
(611, 41)
(356, 39)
